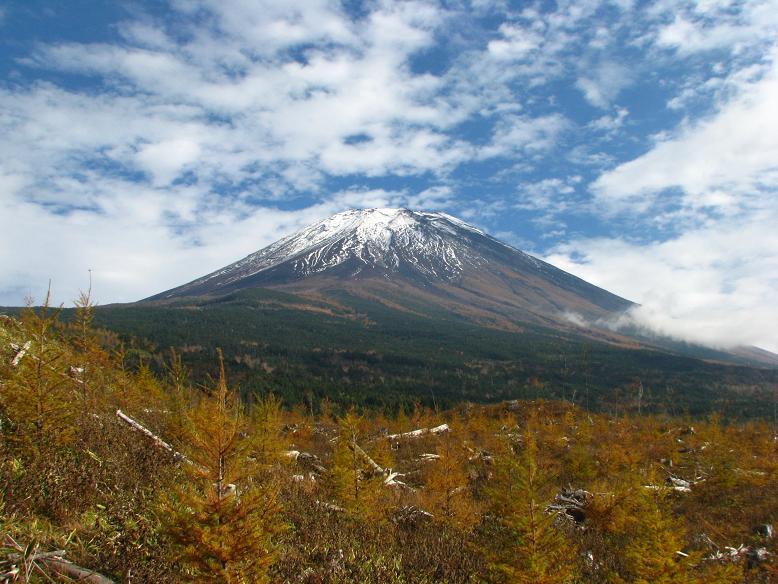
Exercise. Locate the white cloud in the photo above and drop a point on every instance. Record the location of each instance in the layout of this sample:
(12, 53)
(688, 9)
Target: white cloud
(517, 43)
(610, 124)
(713, 183)
(601, 84)
(267, 26)
(281, 109)
(539, 46)
(553, 195)
(177, 142)
(517, 134)
(706, 26)
(131, 246)
(576, 319)
(439, 197)
(734, 151)
(711, 285)
(226, 107)
(166, 160)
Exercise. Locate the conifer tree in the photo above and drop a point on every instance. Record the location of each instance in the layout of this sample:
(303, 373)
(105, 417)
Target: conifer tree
(266, 424)
(179, 396)
(91, 360)
(649, 538)
(533, 549)
(380, 450)
(38, 396)
(446, 493)
(579, 464)
(326, 409)
(222, 520)
(356, 482)
(645, 540)
(348, 468)
(379, 499)
(651, 554)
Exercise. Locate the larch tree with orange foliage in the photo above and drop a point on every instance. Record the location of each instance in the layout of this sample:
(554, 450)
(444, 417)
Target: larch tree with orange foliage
(446, 493)
(221, 519)
(531, 548)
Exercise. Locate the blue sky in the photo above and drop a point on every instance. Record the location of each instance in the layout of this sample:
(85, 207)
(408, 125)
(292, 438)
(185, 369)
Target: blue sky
(632, 143)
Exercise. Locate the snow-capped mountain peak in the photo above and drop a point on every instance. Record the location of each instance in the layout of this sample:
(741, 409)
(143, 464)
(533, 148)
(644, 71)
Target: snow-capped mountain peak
(379, 227)
(400, 249)
(358, 243)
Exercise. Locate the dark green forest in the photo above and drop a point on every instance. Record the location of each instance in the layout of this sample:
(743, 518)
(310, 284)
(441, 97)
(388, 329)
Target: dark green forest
(360, 352)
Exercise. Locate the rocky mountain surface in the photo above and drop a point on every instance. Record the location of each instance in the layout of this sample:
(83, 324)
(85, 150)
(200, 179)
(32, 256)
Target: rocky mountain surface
(411, 258)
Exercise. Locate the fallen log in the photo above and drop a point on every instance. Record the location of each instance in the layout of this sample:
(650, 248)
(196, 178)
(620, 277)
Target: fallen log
(410, 516)
(62, 567)
(47, 563)
(377, 469)
(74, 372)
(306, 460)
(442, 429)
(329, 506)
(143, 430)
(224, 491)
(391, 481)
(390, 477)
(159, 442)
(572, 504)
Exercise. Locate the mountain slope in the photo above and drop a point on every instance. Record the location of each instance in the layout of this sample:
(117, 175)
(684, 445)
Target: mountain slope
(397, 254)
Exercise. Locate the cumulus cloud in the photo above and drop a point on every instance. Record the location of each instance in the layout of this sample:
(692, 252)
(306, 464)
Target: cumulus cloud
(133, 249)
(705, 26)
(610, 124)
(551, 195)
(188, 131)
(603, 83)
(516, 43)
(541, 45)
(283, 109)
(516, 134)
(710, 285)
(168, 159)
(727, 160)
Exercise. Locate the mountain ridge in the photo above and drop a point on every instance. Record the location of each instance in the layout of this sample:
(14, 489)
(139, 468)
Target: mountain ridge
(428, 253)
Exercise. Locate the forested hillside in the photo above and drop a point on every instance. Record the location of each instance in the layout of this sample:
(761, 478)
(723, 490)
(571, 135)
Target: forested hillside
(143, 477)
(356, 351)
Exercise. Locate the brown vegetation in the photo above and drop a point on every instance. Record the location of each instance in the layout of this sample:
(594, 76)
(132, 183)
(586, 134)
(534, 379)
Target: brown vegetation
(193, 485)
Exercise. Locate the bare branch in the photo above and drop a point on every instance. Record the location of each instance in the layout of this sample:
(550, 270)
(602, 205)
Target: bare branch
(21, 352)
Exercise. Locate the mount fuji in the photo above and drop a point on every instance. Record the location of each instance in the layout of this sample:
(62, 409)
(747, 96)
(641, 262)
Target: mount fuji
(406, 258)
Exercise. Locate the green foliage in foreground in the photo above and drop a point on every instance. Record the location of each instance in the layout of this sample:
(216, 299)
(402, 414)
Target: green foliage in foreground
(228, 492)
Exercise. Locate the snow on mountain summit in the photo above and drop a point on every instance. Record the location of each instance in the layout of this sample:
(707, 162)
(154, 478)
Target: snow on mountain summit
(361, 242)
(378, 228)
